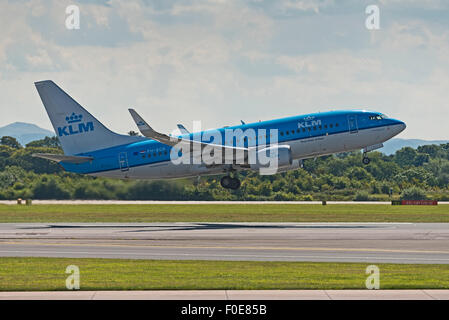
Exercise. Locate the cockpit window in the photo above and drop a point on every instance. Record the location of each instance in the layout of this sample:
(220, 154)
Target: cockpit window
(378, 117)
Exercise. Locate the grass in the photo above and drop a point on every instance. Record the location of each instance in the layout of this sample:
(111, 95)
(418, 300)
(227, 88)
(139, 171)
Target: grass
(224, 213)
(46, 274)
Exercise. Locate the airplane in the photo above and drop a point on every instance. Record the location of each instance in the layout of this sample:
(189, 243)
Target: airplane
(92, 149)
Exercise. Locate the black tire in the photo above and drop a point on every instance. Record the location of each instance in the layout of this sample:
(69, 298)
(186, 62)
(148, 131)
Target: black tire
(226, 182)
(235, 184)
(366, 160)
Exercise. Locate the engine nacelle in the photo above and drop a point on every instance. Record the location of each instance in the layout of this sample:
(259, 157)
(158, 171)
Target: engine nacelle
(273, 159)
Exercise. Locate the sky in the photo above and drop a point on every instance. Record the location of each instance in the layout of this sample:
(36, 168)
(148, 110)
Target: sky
(220, 62)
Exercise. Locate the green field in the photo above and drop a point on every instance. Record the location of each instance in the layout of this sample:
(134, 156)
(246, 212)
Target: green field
(224, 213)
(42, 274)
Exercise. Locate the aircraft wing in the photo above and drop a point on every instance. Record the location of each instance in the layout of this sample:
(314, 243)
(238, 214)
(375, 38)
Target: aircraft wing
(237, 153)
(62, 158)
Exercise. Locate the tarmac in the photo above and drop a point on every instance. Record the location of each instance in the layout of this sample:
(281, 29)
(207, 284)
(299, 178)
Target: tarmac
(422, 243)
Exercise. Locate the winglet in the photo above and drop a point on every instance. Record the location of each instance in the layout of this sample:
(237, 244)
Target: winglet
(149, 132)
(182, 129)
(143, 127)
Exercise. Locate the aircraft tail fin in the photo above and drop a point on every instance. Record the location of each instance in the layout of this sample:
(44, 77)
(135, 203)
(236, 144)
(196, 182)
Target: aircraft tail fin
(77, 130)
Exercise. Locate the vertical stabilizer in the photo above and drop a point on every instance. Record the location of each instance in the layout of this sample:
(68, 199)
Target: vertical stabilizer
(77, 130)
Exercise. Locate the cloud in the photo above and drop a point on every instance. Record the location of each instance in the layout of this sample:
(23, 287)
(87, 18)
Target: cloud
(306, 5)
(222, 61)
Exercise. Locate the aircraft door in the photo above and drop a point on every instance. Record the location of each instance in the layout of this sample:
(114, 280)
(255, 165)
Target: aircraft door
(352, 123)
(123, 161)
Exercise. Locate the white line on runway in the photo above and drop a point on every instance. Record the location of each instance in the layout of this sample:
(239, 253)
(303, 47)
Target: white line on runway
(220, 255)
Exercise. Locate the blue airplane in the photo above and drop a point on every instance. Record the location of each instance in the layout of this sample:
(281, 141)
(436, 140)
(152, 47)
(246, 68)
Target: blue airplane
(90, 148)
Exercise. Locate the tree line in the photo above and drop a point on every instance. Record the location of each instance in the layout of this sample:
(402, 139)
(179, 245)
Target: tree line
(421, 173)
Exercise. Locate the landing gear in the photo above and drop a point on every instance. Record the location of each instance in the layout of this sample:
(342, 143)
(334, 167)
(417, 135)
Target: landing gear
(366, 160)
(228, 182)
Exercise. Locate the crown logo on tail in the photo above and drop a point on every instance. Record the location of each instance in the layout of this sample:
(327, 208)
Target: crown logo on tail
(73, 118)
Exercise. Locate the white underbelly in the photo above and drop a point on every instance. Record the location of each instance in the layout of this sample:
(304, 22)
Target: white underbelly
(162, 170)
(340, 142)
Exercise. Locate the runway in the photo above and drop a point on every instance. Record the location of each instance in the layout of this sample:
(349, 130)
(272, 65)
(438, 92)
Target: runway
(334, 242)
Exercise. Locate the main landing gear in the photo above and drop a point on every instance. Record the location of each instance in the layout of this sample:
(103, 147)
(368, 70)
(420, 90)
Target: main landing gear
(365, 159)
(228, 182)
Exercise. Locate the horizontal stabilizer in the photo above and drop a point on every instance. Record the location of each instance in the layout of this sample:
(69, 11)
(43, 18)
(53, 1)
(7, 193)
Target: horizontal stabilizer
(62, 158)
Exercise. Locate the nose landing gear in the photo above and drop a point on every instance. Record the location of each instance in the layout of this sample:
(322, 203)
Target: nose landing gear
(365, 160)
(228, 182)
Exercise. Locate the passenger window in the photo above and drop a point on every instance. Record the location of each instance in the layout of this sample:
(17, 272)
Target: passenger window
(336, 124)
(287, 132)
(303, 129)
(308, 129)
(330, 125)
(314, 128)
(293, 131)
(325, 126)
(282, 133)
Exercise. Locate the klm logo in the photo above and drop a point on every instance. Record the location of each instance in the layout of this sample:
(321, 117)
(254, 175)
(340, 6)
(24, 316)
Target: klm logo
(75, 125)
(309, 122)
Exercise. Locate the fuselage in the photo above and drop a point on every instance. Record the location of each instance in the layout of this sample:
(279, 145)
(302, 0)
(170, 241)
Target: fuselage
(308, 136)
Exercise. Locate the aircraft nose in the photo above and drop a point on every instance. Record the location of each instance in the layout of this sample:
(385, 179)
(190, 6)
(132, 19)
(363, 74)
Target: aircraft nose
(399, 125)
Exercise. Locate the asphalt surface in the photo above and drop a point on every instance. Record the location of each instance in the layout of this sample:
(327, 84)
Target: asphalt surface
(343, 242)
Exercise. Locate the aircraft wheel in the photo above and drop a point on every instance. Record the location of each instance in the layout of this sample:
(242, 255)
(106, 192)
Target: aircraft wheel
(230, 183)
(226, 182)
(366, 160)
(235, 184)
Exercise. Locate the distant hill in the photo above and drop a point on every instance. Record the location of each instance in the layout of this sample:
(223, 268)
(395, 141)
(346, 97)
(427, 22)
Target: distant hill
(25, 132)
(393, 145)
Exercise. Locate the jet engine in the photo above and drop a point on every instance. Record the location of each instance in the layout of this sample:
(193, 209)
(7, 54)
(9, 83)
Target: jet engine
(272, 160)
